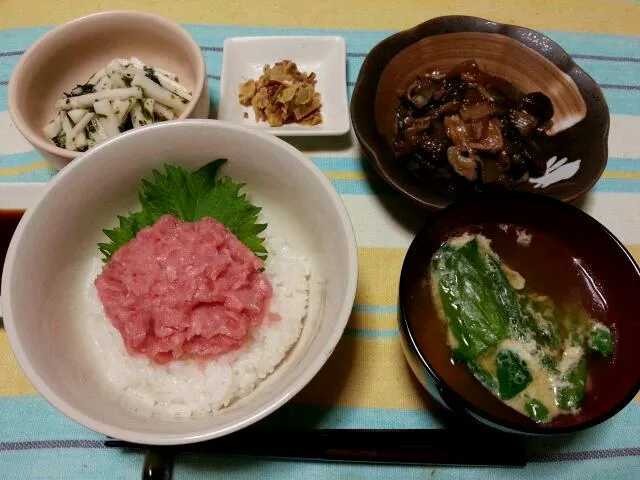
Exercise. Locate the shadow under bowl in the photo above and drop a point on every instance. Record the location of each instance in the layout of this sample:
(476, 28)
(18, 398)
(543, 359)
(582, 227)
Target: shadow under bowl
(524, 57)
(570, 256)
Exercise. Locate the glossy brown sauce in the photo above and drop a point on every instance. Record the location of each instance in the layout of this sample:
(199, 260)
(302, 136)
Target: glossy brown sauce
(549, 269)
(9, 220)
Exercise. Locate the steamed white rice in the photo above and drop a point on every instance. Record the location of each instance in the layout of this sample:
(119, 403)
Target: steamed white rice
(183, 389)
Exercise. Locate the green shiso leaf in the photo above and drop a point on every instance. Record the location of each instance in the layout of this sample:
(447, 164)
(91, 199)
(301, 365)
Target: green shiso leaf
(190, 196)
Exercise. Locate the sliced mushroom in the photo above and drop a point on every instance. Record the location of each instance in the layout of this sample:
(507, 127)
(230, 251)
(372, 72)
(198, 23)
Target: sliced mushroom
(492, 140)
(464, 163)
(478, 111)
(457, 131)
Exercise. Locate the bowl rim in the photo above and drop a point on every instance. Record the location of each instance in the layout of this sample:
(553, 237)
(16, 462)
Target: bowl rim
(310, 371)
(60, 31)
(453, 396)
(370, 71)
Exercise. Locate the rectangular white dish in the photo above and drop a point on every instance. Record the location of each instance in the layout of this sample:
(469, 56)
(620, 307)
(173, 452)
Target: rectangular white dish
(243, 58)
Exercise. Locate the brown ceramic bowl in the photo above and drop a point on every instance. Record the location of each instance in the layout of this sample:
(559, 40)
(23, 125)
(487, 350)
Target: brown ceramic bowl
(526, 58)
(72, 52)
(569, 252)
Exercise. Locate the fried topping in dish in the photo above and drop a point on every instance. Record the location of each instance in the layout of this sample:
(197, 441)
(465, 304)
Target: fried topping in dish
(471, 129)
(283, 94)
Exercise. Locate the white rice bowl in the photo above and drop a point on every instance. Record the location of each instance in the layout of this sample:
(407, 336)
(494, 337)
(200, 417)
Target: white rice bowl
(183, 389)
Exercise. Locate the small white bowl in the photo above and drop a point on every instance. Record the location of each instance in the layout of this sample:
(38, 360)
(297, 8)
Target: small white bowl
(48, 268)
(69, 54)
(244, 57)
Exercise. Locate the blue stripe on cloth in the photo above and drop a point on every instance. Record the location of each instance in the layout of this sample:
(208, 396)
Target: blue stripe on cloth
(623, 164)
(36, 176)
(363, 187)
(378, 187)
(71, 464)
(364, 333)
(374, 185)
(618, 185)
(31, 418)
(351, 164)
(611, 448)
(341, 164)
(375, 308)
(592, 51)
(326, 164)
(19, 159)
(357, 40)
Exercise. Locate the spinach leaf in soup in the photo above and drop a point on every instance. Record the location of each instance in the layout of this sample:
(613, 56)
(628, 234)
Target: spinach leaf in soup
(513, 374)
(475, 317)
(600, 340)
(571, 393)
(536, 410)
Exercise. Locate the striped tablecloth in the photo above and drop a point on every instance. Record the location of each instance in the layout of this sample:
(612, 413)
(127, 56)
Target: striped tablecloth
(366, 382)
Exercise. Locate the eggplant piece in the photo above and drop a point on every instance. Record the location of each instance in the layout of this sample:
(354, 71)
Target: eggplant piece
(492, 172)
(491, 124)
(412, 132)
(435, 149)
(434, 143)
(538, 105)
(522, 121)
(451, 91)
(420, 92)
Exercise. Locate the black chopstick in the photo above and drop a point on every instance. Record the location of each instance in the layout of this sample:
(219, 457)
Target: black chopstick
(434, 447)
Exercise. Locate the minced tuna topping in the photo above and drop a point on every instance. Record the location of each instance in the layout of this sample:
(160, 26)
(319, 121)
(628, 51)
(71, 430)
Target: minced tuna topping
(184, 289)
